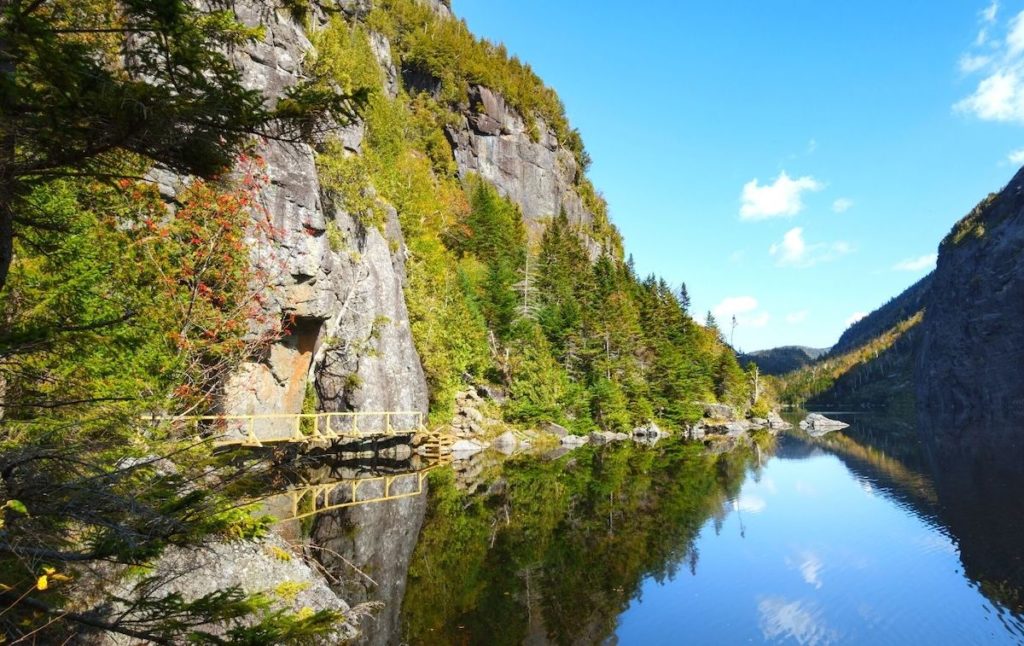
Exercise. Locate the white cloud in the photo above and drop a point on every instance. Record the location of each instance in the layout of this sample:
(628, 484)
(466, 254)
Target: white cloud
(988, 18)
(970, 63)
(1015, 39)
(842, 205)
(750, 504)
(988, 14)
(797, 317)
(734, 305)
(856, 316)
(810, 566)
(794, 251)
(1016, 157)
(999, 95)
(744, 309)
(920, 263)
(758, 320)
(781, 198)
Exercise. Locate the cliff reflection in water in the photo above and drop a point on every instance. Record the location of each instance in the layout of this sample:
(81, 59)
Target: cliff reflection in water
(966, 479)
(978, 472)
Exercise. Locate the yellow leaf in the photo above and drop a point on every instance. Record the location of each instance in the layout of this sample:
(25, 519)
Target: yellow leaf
(42, 583)
(48, 570)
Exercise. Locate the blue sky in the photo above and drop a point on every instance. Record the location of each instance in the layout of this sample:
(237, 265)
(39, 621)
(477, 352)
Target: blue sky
(796, 162)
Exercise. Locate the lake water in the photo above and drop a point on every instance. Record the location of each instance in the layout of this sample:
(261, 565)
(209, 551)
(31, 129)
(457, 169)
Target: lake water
(865, 536)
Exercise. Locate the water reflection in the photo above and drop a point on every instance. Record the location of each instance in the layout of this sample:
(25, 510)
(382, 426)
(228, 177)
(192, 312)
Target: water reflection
(870, 535)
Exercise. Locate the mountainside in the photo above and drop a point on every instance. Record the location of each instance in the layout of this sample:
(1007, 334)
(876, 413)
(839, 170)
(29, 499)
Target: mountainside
(264, 210)
(970, 365)
(911, 301)
(778, 361)
(452, 232)
(949, 346)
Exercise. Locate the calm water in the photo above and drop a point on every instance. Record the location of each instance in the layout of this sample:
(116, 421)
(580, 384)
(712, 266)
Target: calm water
(866, 536)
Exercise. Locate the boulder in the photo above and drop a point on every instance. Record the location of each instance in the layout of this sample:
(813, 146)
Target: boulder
(493, 393)
(473, 414)
(649, 430)
(735, 429)
(463, 449)
(506, 440)
(776, 423)
(556, 453)
(575, 440)
(817, 424)
(718, 411)
(556, 429)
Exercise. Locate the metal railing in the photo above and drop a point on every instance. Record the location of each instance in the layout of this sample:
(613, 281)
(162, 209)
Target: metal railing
(316, 499)
(303, 427)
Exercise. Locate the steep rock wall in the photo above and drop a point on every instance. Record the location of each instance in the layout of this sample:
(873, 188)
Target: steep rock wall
(379, 539)
(970, 365)
(349, 325)
(963, 365)
(494, 142)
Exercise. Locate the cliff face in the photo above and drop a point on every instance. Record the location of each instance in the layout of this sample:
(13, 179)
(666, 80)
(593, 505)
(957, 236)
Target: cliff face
(963, 364)
(493, 141)
(971, 359)
(348, 322)
(348, 331)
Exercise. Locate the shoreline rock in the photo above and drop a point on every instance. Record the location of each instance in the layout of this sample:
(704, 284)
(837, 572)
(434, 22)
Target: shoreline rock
(817, 424)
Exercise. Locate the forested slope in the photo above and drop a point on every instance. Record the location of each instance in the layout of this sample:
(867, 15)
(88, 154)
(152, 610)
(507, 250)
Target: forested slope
(274, 208)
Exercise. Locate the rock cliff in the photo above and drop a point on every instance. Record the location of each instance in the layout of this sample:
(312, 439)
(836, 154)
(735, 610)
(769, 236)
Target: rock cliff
(494, 142)
(348, 330)
(347, 326)
(963, 364)
(970, 364)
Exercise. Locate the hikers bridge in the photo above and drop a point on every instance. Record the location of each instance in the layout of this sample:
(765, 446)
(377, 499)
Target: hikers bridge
(259, 429)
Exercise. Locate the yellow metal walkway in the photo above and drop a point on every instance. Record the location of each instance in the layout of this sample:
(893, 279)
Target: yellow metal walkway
(241, 430)
(316, 499)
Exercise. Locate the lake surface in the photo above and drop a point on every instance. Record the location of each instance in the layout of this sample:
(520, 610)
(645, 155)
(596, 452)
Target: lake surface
(864, 536)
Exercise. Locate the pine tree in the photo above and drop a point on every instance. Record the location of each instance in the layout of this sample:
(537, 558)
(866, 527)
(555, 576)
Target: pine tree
(684, 297)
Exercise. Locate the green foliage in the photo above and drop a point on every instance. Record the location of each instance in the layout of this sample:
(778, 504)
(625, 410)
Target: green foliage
(818, 378)
(335, 237)
(82, 80)
(730, 380)
(342, 53)
(121, 308)
(537, 384)
(590, 529)
(446, 50)
(347, 178)
(581, 342)
(973, 224)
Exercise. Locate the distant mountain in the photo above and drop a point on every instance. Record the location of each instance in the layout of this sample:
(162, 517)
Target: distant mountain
(778, 361)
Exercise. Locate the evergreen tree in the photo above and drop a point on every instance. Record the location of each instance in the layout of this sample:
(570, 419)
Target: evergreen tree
(684, 297)
(82, 80)
(711, 324)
